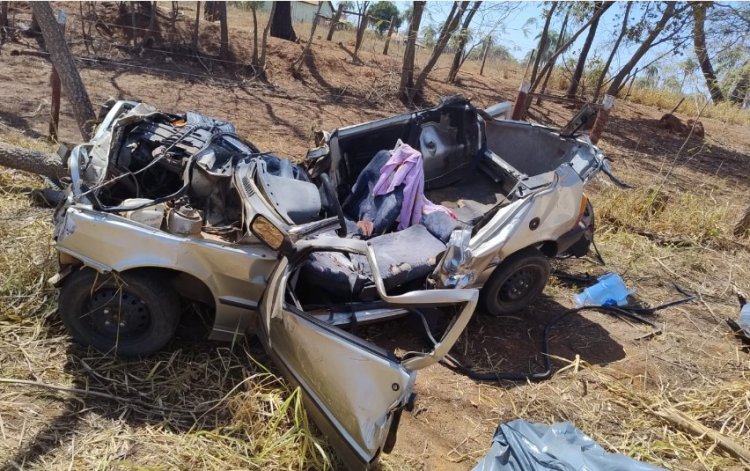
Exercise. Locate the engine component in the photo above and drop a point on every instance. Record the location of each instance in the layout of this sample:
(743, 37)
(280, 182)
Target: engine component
(184, 220)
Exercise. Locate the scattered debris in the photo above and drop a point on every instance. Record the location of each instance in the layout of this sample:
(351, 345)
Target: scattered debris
(742, 327)
(610, 290)
(561, 447)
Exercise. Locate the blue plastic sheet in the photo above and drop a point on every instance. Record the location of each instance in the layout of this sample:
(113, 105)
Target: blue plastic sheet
(526, 446)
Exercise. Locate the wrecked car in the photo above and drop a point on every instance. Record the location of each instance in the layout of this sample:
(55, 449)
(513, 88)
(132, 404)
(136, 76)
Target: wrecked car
(173, 218)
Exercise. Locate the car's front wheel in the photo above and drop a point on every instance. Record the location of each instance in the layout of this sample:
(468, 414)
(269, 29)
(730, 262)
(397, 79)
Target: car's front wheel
(127, 314)
(516, 282)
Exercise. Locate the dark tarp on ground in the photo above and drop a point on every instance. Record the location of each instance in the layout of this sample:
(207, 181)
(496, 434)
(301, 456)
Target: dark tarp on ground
(525, 446)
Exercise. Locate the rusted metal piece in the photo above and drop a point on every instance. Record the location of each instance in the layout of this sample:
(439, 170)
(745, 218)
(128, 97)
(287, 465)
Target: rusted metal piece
(601, 118)
(519, 107)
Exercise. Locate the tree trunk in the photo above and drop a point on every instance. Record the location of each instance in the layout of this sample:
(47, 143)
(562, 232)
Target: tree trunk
(281, 22)
(560, 37)
(224, 31)
(487, 43)
(542, 42)
(407, 70)
(578, 72)
(62, 60)
(453, 72)
(3, 21)
(264, 44)
(211, 11)
(559, 51)
(623, 30)
(450, 25)
(41, 163)
(253, 9)
(360, 35)
(699, 42)
(739, 93)
(617, 81)
(306, 50)
(196, 27)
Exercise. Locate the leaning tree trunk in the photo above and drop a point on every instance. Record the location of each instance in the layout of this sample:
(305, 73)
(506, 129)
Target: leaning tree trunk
(281, 22)
(605, 69)
(617, 81)
(578, 72)
(42, 163)
(450, 25)
(699, 42)
(224, 31)
(543, 40)
(196, 28)
(407, 69)
(63, 62)
(460, 50)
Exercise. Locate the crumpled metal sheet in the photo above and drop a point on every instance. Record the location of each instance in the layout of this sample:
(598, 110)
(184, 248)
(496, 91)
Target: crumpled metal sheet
(524, 446)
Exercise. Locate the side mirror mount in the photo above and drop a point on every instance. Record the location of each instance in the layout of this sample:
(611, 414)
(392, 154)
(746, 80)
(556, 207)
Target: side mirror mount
(271, 235)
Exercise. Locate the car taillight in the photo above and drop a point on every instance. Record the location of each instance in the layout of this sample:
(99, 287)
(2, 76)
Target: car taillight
(582, 210)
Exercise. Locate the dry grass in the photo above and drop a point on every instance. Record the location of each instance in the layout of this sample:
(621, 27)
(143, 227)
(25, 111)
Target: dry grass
(682, 217)
(666, 100)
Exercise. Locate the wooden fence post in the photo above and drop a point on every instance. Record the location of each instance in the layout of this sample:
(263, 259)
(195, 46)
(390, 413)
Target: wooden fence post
(335, 21)
(390, 33)
(54, 80)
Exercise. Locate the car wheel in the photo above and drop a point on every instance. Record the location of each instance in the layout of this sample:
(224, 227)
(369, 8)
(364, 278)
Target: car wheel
(516, 282)
(128, 315)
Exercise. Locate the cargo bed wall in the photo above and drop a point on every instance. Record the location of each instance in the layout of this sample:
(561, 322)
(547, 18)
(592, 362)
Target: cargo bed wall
(529, 149)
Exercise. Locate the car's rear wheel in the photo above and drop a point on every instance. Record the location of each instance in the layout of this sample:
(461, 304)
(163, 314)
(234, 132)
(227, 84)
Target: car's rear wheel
(127, 315)
(516, 282)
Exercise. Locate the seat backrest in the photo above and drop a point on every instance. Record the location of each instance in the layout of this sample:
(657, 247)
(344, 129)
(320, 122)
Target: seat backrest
(296, 200)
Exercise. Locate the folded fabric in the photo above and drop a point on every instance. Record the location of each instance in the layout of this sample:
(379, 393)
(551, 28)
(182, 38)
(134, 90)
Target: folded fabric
(405, 167)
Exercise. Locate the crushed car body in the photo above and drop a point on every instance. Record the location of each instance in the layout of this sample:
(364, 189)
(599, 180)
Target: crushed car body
(173, 216)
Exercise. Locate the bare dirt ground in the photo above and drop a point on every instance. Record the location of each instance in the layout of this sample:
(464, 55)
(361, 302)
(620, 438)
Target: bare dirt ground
(613, 379)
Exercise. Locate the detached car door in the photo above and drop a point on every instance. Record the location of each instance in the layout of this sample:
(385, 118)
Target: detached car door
(352, 389)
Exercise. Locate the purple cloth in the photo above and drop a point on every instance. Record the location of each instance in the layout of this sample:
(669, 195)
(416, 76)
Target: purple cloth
(405, 168)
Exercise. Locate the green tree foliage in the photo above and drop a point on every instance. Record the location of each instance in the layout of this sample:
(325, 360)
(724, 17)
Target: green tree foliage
(383, 12)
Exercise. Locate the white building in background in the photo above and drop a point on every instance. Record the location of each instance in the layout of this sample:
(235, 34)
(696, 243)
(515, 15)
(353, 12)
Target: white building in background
(304, 11)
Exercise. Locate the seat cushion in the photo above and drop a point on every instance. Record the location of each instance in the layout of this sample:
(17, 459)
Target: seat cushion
(402, 257)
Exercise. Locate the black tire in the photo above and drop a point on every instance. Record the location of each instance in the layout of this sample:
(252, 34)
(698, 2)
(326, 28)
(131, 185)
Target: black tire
(516, 282)
(127, 315)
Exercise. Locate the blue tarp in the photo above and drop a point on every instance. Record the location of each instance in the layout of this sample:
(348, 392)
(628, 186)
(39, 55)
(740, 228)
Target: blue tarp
(526, 446)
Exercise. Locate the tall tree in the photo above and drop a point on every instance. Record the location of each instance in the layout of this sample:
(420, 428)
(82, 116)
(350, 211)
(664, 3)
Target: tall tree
(560, 49)
(382, 12)
(543, 41)
(196, 28)
(560, 38)
(264, 45)
(63, 62)
(701, 51)
(254, 11)
(672, 12)
(407, 69)
(449, 27)
(463, 38)
(599, 7)
(224, 31)
(281, 21)
(615, 48)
